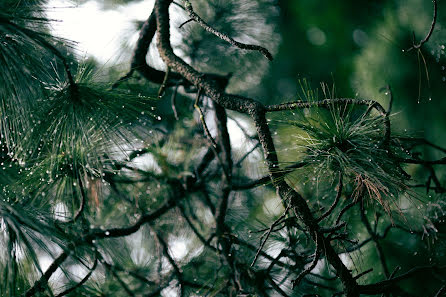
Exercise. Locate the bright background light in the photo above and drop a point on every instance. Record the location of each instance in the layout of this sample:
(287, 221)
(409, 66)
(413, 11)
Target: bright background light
(104, 34)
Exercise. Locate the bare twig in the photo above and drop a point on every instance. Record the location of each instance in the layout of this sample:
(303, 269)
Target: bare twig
(83, 199)
(223, 36)
(43, 281)
(317, 254)
(363, 273)
(441, 292)
(336, 200)
(268, 233)
(246, 155)
(173, 102)
(344, 210)
(376, 240)
(429, 34)
(184, 23)
(83, 281)
(386, 285)
(163, 86)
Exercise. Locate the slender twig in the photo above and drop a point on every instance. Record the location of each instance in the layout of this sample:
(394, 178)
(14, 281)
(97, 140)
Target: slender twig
(120, 232)
(119, 279)
(441, 161)
(43, 281)
(83, 198)
(276, 287)
(202, 119)
(388, 284)
(344, 210)
(317, 254)
(336, 200)
(388, 91)
(421, 141)
(267, 178)
(431, 30)
(336, 101)
(83, 281)
(268, 233)
(363, 273)
(173, 102)
(333, 228)
(441, 292)
(38, 37)
(223, 36)
(246, 155)
(126, 76)
(376, 240)
(213, 144)
(163, 86)
(319, 285)
(184, 23)
(194, 229)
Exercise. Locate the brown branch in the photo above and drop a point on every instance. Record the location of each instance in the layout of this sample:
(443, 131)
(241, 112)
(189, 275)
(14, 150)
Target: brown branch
(253, 248)
(163, 86)
(213, 144)
(223, 139)
(258, 113)
(83, 201)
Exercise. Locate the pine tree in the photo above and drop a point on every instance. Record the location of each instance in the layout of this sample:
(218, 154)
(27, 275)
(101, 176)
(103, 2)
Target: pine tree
(129, 182)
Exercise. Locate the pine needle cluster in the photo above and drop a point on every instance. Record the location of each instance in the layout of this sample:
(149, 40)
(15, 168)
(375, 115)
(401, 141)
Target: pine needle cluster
(350, 140)
(62, 130)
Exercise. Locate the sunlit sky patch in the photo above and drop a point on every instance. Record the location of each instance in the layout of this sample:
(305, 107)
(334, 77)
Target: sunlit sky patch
(99, 33)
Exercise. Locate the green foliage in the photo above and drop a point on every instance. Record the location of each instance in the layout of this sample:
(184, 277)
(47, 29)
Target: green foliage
(82, 161)
(348, 140)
